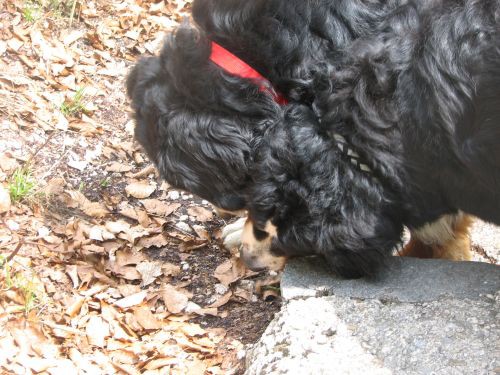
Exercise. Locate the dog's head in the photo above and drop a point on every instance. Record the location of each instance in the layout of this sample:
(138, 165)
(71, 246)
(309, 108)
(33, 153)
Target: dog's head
(308, 199)
(197, 123)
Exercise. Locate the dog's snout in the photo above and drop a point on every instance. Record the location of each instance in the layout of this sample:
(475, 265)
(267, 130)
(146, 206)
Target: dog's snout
(250, 259)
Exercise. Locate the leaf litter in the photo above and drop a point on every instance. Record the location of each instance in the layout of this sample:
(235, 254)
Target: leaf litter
(104, 268)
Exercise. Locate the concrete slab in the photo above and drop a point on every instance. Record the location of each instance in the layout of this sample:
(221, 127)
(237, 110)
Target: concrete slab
(416, 317)
(339, 335)
(404, 280)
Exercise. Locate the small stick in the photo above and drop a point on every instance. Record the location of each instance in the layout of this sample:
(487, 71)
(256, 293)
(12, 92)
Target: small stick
(13, 254)
(72, 15)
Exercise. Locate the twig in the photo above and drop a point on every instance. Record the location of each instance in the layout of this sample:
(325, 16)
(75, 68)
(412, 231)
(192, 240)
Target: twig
(13, 254)
(32, 156)
(62, 328)
(72, 15)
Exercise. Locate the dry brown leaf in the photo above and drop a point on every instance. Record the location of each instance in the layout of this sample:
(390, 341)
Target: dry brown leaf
(5, 202)
(72, 271)
(75, 199)
(160, 363)
(99, 233)
(187, 344)
(118, 167)
(7, 164)
(159, 240)
(146, 318)
(170, 269)
(74, 308)
(143, 218)
(192, 245)
(222, 300)
(116, 227)
(243, 293)
(192, 330)
(200, 213)
(140, 190)
(127, 257)
(201, 232)
(97, 330)
(230, 271)
(157, 207)
(144, 172)
(132, 300)
(149, 272)
(175, 301)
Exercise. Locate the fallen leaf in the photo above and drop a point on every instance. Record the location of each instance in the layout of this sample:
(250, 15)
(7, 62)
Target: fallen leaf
(149, 272)
(230, 271)
(97, 330)
(116, 227)
(140, 190)
(201, 232)
(99, 233)
(143, 218)
(146, 318)
(118, 167)
(175, 301)
(7, 164)
(157, 207)
(128, 257)
(132, 300)
(192, 330)
(75, 199)
(5, 202)
(170, 269)
(200, 213)
(222, 300)
(74, 308)
(159, 240)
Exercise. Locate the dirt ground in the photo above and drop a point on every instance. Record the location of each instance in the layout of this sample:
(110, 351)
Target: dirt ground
(104, 267)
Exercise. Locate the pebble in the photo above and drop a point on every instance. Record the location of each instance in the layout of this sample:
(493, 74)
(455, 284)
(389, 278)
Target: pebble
(183, 217)
(12, 225)
(183, 226)
(191, 307)
(174, 195)
(220, 289)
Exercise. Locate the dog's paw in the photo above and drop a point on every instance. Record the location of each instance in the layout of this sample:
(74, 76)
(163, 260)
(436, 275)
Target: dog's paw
(231, 234)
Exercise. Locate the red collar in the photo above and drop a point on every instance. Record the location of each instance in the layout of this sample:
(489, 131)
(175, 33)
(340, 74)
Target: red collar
(234, 65)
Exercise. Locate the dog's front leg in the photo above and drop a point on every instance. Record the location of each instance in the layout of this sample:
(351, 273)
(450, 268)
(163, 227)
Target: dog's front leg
(446, 238)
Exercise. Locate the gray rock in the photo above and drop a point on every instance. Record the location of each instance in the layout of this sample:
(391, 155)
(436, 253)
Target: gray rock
(339, 335)
(307, 337)
(486, 237)
(404, 279)
(416, 317)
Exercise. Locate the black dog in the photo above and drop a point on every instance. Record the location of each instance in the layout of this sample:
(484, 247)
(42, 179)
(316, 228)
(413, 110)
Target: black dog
(202, 125)
(409, 102)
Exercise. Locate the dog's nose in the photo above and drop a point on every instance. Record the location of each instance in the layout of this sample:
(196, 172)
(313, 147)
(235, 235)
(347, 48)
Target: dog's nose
(251, 261)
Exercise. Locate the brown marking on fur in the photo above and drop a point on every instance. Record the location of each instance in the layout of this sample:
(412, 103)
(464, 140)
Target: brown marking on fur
(457, 247)
(256, 254)
(225, 214)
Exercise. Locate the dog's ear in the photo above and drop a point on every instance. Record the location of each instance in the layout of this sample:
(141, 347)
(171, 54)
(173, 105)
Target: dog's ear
(144, 74)
(206, 154)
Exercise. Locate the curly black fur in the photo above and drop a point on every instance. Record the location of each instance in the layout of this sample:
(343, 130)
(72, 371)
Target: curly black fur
(200, 125)
(413, 87)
